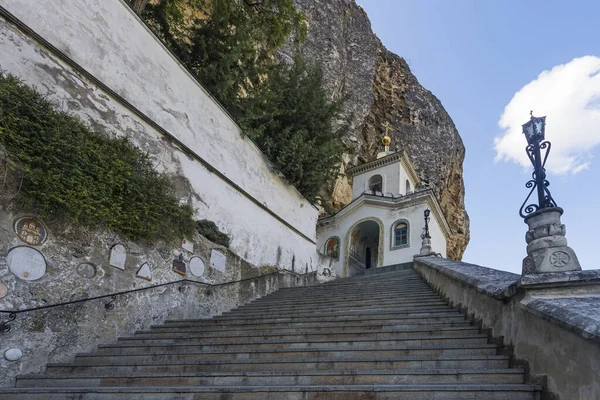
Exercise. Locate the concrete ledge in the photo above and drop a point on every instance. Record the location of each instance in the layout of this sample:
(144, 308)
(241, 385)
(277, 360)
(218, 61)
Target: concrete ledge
(498, 284)
(562, 279)
(577, 314)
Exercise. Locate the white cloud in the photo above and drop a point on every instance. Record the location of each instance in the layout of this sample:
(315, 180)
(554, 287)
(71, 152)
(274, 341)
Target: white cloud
(569, 95)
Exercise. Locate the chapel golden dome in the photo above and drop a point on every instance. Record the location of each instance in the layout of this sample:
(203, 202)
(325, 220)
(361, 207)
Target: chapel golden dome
(386, 140)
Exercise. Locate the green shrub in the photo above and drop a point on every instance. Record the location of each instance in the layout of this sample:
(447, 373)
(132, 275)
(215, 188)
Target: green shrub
(209, 230)
(75, 174)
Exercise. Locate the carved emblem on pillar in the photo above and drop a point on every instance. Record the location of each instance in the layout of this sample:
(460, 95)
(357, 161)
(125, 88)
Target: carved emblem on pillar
(547, 249)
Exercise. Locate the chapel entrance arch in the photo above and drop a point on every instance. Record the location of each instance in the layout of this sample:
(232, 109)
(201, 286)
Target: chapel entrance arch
(364, 238)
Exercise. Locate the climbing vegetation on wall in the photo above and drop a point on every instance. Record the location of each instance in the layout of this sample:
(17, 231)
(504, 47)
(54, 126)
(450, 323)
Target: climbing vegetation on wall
(75, 174)
(231, 46)
(209, 230)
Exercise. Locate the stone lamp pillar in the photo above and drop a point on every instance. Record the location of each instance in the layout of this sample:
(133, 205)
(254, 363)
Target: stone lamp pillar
(425, 246)
(547, 249)
(426, 237)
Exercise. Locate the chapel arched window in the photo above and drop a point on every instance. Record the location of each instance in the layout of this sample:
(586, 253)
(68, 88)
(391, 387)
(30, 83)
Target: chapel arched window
(376, 183)
(400, 234)
(407, 186)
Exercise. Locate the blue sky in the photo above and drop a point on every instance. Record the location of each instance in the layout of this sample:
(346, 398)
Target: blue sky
(475, 55)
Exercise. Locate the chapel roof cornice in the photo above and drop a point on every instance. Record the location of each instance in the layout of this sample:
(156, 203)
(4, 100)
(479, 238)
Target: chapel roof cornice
(392, 158)
(421, 196)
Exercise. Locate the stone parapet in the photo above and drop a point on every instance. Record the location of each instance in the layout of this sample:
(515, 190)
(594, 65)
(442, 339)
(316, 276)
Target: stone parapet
(550, 321)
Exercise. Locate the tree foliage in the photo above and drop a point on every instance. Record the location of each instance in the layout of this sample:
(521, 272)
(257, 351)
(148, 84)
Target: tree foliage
(227, 44)
(292, 121)
(230, 47)
(75, 174)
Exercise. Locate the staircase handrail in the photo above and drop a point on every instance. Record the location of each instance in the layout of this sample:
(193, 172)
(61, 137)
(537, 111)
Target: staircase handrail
(12, 314)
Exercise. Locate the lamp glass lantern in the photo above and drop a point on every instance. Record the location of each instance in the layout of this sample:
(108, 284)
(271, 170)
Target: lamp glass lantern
(535, 129)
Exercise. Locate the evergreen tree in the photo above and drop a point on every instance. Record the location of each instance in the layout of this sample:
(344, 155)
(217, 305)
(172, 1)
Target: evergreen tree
(293, 121)
(230, 47)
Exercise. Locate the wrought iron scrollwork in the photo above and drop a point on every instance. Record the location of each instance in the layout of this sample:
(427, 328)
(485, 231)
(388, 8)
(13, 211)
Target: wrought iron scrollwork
(183, 287)
(5, 325)
(538, 179)
(111, 304)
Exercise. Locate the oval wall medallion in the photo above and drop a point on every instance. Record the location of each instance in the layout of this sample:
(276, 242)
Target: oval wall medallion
(31, 231)
(26, 263)
(13, 354)
(3, 290)
(86, 270)
(197, 266)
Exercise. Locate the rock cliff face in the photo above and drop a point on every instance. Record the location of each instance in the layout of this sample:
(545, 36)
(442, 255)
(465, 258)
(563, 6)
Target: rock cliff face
(379, 87)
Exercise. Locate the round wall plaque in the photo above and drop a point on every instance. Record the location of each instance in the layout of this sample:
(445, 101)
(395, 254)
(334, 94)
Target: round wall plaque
(31, 231)
(13, 354)
(197, 266)
(3, 290)
(86, 270)
(26, 263)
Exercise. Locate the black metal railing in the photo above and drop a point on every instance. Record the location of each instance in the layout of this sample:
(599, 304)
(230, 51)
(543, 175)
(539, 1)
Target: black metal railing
(5, 326)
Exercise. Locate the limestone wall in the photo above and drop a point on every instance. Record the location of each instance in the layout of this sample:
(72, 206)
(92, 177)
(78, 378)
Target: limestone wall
(554, 333)
(96, 60)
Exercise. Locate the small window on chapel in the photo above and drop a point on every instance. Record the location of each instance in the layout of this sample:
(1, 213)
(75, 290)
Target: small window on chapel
(376, 183)
(401, 234)
(407, 186)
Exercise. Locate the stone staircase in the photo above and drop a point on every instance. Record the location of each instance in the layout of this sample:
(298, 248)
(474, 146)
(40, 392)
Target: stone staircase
(383, 336)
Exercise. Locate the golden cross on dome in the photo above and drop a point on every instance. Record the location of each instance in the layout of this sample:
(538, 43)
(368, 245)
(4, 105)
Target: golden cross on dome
(387, 127)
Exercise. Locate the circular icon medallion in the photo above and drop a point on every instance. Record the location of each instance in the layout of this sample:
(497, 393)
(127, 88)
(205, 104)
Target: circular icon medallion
(31, 231)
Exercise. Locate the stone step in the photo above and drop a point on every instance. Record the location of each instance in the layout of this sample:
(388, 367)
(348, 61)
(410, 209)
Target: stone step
(344, 299)
(243, 313)
(399, 285)
(371, 318)
(395, 321)
(295, 392)
(362, 282)
(355, 377)
(291, 334)
(117, 357)
(407, 283)
(302, 309)
(337, 301)
(356, 293)
(343, 326)
(327, 305)
(383, 362)
(245, 344)
(337, 313)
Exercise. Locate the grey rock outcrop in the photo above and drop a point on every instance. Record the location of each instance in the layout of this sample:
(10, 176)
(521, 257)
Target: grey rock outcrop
(379, 87)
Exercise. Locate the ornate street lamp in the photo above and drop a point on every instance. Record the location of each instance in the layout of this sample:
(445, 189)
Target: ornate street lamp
(425, 237)
(535, 133)
(425, 233)
(547, 249)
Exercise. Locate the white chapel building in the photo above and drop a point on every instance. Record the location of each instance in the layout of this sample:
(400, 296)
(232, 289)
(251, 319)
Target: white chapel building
(383, 224)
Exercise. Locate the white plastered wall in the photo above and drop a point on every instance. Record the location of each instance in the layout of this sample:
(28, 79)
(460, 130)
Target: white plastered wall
(107, 40)
(412, 213)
